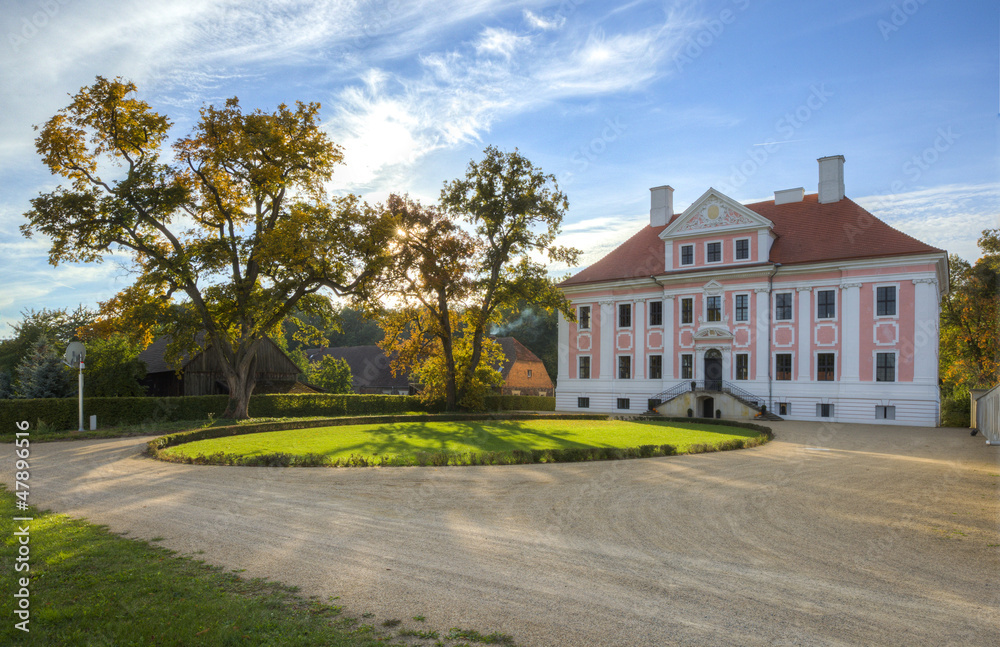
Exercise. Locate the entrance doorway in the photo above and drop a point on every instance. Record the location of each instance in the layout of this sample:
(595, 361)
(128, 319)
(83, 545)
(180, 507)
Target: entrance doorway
(708, 408)
(713, 370)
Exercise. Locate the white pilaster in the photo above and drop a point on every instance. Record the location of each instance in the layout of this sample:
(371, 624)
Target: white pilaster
(607, 350)
(639, 341)
(925, 331)
(668, 256)
(850, 364)
(763, 245)
(563, 365)
(761, 351)
(669, 337)
(804, 336)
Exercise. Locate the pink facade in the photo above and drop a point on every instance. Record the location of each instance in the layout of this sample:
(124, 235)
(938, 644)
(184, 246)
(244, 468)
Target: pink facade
(781, 302)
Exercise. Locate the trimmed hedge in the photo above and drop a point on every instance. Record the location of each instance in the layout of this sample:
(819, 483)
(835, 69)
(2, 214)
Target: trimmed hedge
(520, 403)
(60, 414)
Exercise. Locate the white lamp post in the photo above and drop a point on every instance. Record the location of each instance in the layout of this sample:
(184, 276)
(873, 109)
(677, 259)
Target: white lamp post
(75, 354)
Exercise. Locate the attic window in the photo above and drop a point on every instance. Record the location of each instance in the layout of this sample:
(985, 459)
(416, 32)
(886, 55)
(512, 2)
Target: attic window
(687, 254)
(529, 372)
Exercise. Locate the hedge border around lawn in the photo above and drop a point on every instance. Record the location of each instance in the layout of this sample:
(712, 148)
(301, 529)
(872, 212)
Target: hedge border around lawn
(61, 414)
(156, 446)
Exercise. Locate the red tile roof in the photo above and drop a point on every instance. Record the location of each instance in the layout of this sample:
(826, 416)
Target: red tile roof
(807, 232)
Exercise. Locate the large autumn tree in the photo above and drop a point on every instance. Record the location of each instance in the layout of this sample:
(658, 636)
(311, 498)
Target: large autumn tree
(457, 266)
(235, 227)
(970, 319)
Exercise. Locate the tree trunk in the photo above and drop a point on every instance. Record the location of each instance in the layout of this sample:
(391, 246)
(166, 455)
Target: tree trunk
(241, 377)
(451, 376)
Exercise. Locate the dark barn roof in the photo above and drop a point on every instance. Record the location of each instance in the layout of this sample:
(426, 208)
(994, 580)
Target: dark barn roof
(370, 367)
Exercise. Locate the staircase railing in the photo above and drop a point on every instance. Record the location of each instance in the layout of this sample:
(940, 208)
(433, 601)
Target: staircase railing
(707, 385)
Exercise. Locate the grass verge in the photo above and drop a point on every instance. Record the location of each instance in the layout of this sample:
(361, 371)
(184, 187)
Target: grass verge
(469, 442)
(91, 587)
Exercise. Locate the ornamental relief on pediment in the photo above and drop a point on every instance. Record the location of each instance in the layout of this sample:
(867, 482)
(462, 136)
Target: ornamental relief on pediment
(715, 215)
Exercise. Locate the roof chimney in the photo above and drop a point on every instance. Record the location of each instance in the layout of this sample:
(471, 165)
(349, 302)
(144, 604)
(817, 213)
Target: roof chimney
(661, 205)
(831, 179)
(789, 195)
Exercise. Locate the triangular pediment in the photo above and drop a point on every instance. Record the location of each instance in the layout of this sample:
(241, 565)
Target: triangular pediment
(714, 212)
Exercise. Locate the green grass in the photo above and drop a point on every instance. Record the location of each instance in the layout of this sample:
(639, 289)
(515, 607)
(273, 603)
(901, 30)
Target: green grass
(91, 587)
(410, 439)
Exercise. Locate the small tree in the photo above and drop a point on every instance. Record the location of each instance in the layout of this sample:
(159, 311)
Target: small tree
(454, 284)
(42, 374)
(331, 374)
(113, 368)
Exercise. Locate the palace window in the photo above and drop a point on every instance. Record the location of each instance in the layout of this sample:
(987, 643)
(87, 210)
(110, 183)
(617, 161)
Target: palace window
(584, 318)
(655, 313)
(825, 367)
(783, 366)
(655, 367)
(742, 307)
(783, 306)
(687, 310)
(885, 367)
(625, 315)
(713, 253)
(687, 254)
(885, 301)
(826, 307)
(687, 366)
(742, 366)
(713, 307)
(624, 367)
(584, 367)
(743, 249)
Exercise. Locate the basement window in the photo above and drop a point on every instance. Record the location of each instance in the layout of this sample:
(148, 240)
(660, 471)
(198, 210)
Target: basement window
(583, 403)
(623, 403)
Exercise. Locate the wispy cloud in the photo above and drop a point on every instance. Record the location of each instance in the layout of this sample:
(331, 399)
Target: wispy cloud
(951, 217)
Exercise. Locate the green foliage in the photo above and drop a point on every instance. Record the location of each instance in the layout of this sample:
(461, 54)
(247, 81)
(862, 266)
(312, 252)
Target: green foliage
(970, 321)
(6, 389)
(454, 284)
(449, 439)
(956, 410)
(331, 374)
(113, 368)
(472, 385)
(240, 226)
(519, 403)
(42, 373)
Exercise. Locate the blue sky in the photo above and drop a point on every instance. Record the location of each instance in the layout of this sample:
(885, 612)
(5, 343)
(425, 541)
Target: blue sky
(742, 95)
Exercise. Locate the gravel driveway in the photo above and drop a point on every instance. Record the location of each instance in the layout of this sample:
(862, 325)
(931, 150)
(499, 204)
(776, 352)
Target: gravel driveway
(829, 535)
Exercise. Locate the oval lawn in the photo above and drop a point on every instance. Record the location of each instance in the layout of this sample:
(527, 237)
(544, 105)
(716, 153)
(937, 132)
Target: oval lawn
(411, 442)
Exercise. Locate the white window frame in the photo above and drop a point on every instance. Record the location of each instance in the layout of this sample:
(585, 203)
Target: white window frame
(774, 307)
(836, 303)
(590, 367)
(836, 363)
(649, 366)
(736, 310)
(736, 377)
(618, 367)
(704, 307)
(749, 251)
(680, 256)
(791, 368)
(618, 315)
(895, 364)
(722, 252)
(579, 317)
(875, 315)
(680, 312)
(579, 404)
(819, 409)
(649, 314)
(619, 400)
(788, 407)
(680, 367)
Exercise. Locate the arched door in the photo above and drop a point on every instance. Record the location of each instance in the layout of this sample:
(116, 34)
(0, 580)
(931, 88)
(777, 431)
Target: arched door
(713, 370)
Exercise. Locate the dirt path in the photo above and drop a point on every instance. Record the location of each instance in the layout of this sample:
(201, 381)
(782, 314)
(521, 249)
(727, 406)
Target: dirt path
(829, 535)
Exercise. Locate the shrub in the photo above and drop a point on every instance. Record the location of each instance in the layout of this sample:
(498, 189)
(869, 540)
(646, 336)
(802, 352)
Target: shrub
(956, 411)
